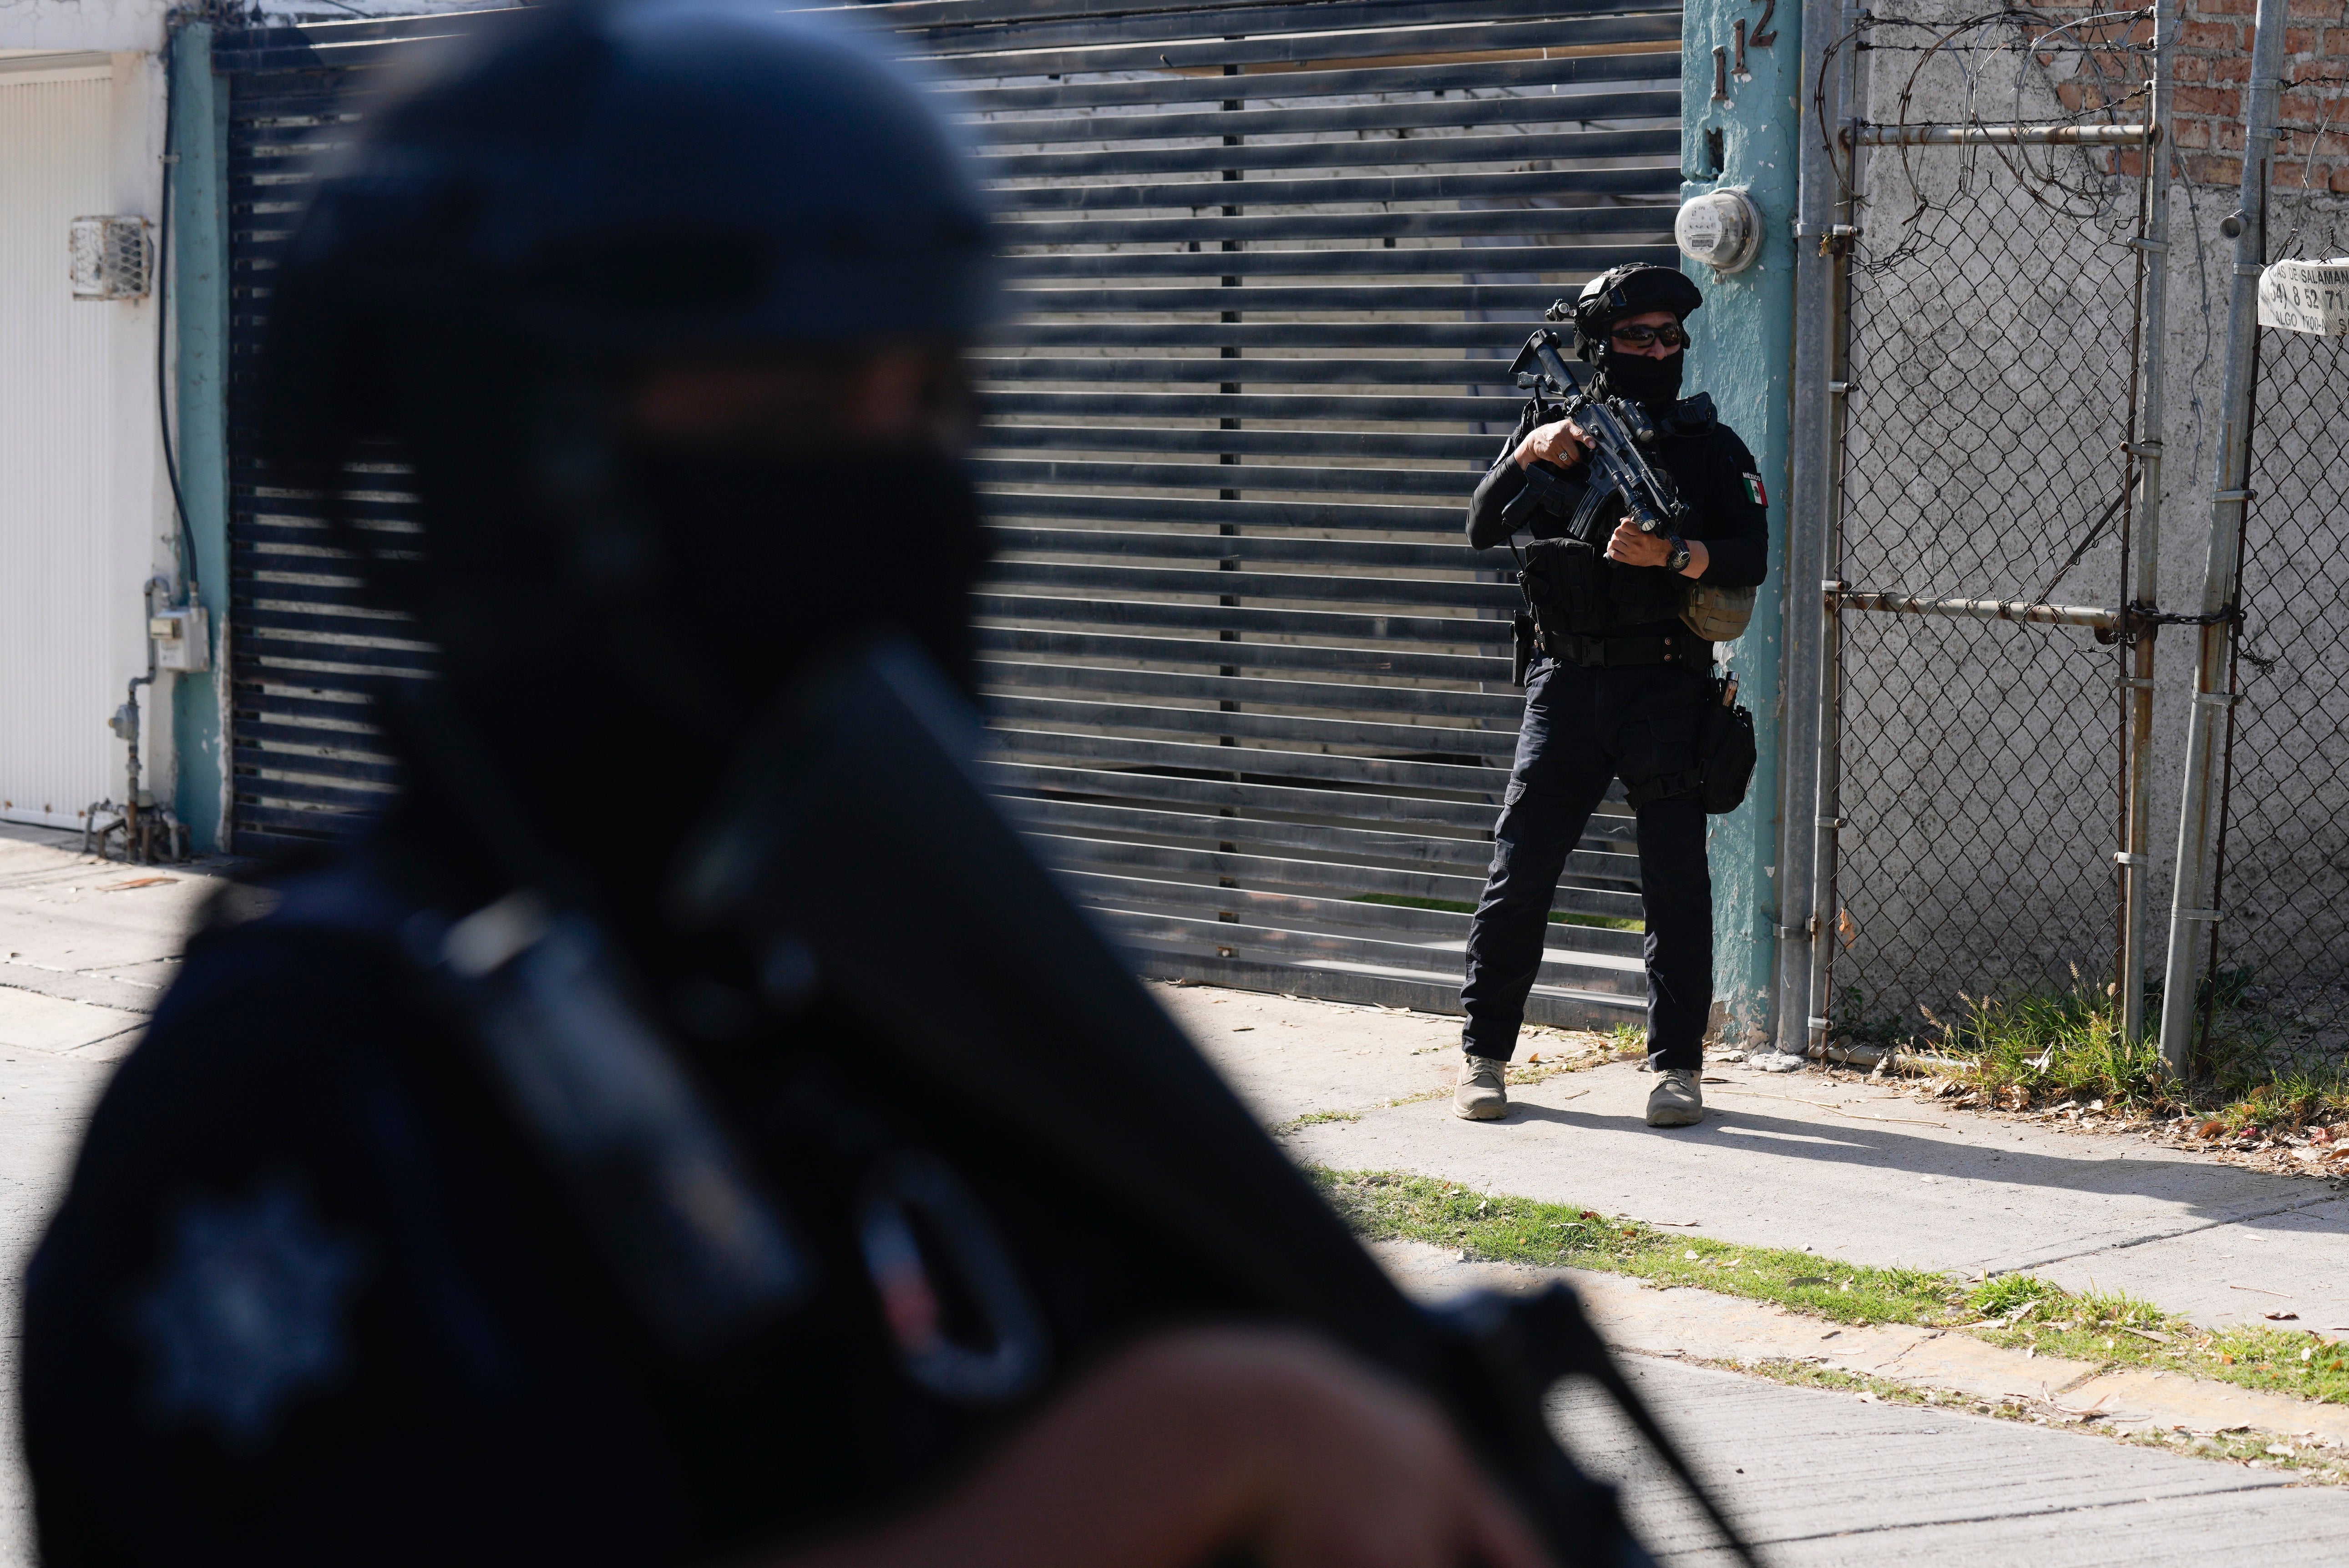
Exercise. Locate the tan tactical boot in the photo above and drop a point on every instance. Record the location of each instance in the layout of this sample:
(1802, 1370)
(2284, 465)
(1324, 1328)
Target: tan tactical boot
(1480, 1097)
(1675, 1101)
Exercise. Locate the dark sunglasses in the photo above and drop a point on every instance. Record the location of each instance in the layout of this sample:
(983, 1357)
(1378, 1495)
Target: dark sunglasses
(1641, 336)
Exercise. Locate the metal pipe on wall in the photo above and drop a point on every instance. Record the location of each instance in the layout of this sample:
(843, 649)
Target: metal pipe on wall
(2145, 585)
(1808, 505)
(1998, 135)
(2190, 916)
(2094, 616)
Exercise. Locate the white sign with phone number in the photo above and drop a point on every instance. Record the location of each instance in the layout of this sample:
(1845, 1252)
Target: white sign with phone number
(2306, 296)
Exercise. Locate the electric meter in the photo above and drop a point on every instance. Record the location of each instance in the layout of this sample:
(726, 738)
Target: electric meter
(1722, 228)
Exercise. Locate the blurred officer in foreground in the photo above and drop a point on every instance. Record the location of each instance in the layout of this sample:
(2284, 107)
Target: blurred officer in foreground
(689, 1129)
(1619, 684)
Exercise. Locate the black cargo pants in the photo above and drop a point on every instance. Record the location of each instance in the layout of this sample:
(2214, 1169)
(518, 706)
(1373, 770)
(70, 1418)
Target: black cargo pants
(1583, 728)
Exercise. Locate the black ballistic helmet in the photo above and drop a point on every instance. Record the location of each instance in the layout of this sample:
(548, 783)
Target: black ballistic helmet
(587, 186)
(662, 175)
(1631, 290)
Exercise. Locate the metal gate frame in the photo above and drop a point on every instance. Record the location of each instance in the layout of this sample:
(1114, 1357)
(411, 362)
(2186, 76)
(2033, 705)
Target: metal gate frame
(1828, 226)
(1249, 683)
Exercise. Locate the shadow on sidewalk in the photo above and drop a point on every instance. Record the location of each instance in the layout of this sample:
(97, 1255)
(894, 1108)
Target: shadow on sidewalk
(2199, 1190)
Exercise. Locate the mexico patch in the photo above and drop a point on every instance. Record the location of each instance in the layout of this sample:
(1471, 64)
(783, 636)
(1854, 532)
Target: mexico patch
(1753, 489)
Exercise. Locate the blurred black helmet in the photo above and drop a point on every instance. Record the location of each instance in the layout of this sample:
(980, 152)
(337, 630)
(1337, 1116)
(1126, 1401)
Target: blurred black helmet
(591, 194)
(584, 189)
(1631, 290)
(660, 175)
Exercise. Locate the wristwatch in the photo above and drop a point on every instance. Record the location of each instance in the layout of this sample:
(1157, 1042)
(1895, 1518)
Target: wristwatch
(1679, 559)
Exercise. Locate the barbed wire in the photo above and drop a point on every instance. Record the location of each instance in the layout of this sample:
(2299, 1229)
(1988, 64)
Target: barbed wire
(2068, 180)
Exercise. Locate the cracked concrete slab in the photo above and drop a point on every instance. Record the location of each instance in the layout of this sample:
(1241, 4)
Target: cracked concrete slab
(99, 988)
(87, 946)
(1852, 1170)
(65, 914)
(31, 1021)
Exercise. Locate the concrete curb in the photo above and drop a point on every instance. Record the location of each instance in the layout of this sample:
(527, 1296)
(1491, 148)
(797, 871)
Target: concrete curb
(1705, 1326)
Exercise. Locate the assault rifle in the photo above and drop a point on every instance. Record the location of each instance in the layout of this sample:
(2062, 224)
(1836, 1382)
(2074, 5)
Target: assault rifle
(1617, 429)
(1028, 1019)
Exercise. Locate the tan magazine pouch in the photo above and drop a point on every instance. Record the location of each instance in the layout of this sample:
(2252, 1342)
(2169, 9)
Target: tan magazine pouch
(1717, 615)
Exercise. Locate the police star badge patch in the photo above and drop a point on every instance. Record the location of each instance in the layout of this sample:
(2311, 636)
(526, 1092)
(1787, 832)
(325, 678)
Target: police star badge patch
(249, 1311)
(1753, 491)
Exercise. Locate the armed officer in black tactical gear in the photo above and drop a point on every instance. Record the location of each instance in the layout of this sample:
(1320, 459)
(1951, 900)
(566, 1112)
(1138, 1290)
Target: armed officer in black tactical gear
(1617, 687)
(644, 1147)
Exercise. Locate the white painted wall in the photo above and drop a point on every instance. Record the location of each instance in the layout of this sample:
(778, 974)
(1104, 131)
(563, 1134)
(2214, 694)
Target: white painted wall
(86, 516)
(79, 514)
(124, 26)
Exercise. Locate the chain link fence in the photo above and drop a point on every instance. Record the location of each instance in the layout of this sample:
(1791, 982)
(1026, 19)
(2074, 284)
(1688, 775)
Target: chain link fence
(2277, 983)
(1992, 353)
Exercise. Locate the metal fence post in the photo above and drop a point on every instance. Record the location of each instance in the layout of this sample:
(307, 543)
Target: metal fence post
(1838, 107)
(2190, 916)
(2144, 587)
(1808, 522)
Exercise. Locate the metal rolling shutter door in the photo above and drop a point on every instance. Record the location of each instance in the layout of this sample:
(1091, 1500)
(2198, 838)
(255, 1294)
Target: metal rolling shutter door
(302, 650)
(1246, 676)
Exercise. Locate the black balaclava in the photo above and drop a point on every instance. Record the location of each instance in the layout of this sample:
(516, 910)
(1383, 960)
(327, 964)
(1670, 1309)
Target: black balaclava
(1650, 382)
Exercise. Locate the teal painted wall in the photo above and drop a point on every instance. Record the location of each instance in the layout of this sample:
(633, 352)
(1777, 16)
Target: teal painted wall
(1742, 354)
(199, 283)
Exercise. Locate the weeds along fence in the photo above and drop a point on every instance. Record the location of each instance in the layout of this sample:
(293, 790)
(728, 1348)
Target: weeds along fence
(1985, 400)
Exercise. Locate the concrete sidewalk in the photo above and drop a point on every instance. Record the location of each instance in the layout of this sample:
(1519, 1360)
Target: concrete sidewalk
(86, 946)
(1851, 1169)
(86, 950)
(1855, 1170)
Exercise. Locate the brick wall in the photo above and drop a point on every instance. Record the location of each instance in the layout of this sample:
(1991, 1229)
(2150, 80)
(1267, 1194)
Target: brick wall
(2213, 62)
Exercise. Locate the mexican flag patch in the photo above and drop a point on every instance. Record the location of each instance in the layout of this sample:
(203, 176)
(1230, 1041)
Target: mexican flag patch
(1754, 490)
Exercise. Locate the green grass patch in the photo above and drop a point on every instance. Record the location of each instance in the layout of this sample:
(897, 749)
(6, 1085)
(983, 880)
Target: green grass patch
(1383, 1205)
(1454, 906)
(2018, 1311)
(2066, 1045)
